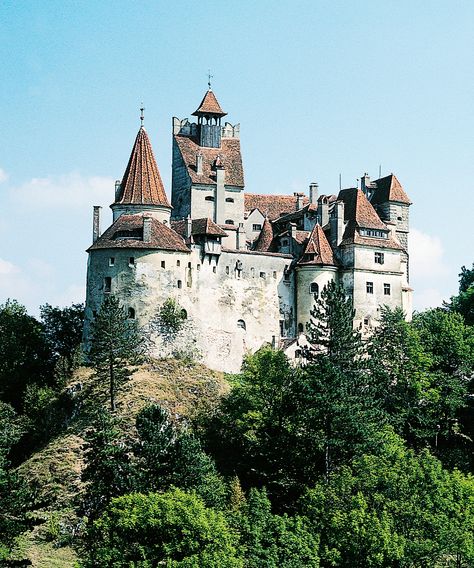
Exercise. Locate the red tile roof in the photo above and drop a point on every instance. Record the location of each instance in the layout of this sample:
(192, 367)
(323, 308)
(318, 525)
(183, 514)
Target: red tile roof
(264, 240)
(127, 232)
(229, 154)
(272, 206)
(352, 236)
(203, 226)
(358, 208)
(318, 250)
(141, 183)
(209, 105)
(389, 188)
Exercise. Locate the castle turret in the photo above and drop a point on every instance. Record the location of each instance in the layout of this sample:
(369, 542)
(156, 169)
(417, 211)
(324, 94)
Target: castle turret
(209, 114)
(141, 189)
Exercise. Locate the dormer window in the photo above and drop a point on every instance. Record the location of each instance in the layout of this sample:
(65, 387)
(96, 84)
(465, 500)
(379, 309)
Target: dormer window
(376, 233)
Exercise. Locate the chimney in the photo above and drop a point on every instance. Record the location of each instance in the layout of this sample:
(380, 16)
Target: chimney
(313, 192)
(323, 212)
(299, 200)
(199, 164)
(365, 183)
(96, 223)
(188, 227)
(220, 191)
(241, 243)
(337, 223)
(118, 184)
(292, 234)
(147, 229)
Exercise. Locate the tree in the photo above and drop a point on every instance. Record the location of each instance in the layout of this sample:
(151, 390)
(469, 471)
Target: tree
(338, 411)
(25, 354)
(63, 330)
(463, 303)
(173, 529)
(115, 345)
(109, 469)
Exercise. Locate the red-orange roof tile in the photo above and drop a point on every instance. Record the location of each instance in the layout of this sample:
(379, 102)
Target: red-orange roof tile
(318, 250)
(141, 183)
(273, 206)
(358, 208)
(203, 226)
(209, 105)
(127, 232)
(229, 154)
(264, 240)
(389, 188)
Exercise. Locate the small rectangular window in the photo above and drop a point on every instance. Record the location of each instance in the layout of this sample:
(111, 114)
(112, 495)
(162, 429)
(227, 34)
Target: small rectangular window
(386, 289)
(131, 261)
(107, 284)
(180, 284)
(214, 269)
(256, 227)
(379, 258)
(198, 267)
(227, 270)
(274, 274)
(111, 261)
(178, 263)
(370, 287)
(163, 264)
(263, 274)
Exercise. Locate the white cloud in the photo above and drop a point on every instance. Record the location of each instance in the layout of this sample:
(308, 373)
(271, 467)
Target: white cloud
(73, 294)
(70, 190)
(429, 270)
(7, 267)
(3, 175)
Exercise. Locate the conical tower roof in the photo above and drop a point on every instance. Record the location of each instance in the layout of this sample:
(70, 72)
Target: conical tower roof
(318, 250)
(141, 183)
(265, 238)
(209, 106)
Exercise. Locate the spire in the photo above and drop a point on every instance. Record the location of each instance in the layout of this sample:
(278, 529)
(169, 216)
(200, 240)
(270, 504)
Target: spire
(209, 106)
(141, 183)
(265, 238)
(318, 250)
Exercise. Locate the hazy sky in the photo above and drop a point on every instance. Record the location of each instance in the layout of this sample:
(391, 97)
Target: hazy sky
(319, 88)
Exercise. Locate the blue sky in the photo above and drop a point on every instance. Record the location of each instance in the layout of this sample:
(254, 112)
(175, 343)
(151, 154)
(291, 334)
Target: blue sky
(319, 88)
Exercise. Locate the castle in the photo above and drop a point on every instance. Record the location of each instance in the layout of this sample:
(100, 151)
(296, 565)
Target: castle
(245, 268)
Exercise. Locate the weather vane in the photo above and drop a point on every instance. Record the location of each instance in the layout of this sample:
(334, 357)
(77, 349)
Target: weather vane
(142, 116)
(209, 77)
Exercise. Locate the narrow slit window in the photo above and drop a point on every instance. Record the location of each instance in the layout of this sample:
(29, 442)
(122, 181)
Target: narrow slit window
(107, 284)
(131, 261)
(180, 284)
(163, 264)
(131, 313)
(112, 261)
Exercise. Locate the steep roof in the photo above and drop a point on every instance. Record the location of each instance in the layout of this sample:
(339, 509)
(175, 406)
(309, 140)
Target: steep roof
(352, 236)
(203, 226)
(265, 238)
(209, 105)
(357, 208)
(389, 188)
(141, 183)
(229, 154)
(127, 232)
(318, 248)
(273, 206)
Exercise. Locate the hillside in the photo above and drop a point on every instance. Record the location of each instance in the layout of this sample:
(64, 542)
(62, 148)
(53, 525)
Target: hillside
(55, 470)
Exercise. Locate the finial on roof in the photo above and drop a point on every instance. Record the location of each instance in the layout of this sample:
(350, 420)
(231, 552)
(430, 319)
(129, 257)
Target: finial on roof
(142, 116)
(209, 77)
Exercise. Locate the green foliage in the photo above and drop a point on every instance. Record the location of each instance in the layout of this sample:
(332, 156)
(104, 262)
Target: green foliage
(395, 508)
(63, 330)
(174, 529)
(463, 303)
(172, 316)
(25, 354)
(115, 345)
(109, 470)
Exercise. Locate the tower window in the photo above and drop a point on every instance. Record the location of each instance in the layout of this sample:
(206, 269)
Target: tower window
(111, 261)
(300, 328)
(369, 287)
(214, 269)
(274, 274)
(198, 267)
(263, 274)
(379, 257)
(180, 284)
(178, 263)
(131, 313)
(209, 198)
(386, 289)
(229, 199)
(131, 261)
(184, 314)
(227, 270)
(241, 324)
(314, 289)
(189, 265)
(256, 227)
(229, 222)
(107, 284)
(163, 264)
(252, 272)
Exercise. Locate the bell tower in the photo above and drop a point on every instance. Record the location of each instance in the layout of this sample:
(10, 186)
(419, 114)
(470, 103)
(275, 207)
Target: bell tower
(209, 115)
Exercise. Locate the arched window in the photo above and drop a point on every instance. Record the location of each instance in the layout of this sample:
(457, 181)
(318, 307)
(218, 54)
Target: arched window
(241, 325)
(209, 198)
(131, 313)
(314, 289)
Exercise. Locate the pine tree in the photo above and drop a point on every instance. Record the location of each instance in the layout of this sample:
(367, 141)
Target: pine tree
(116, 345)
